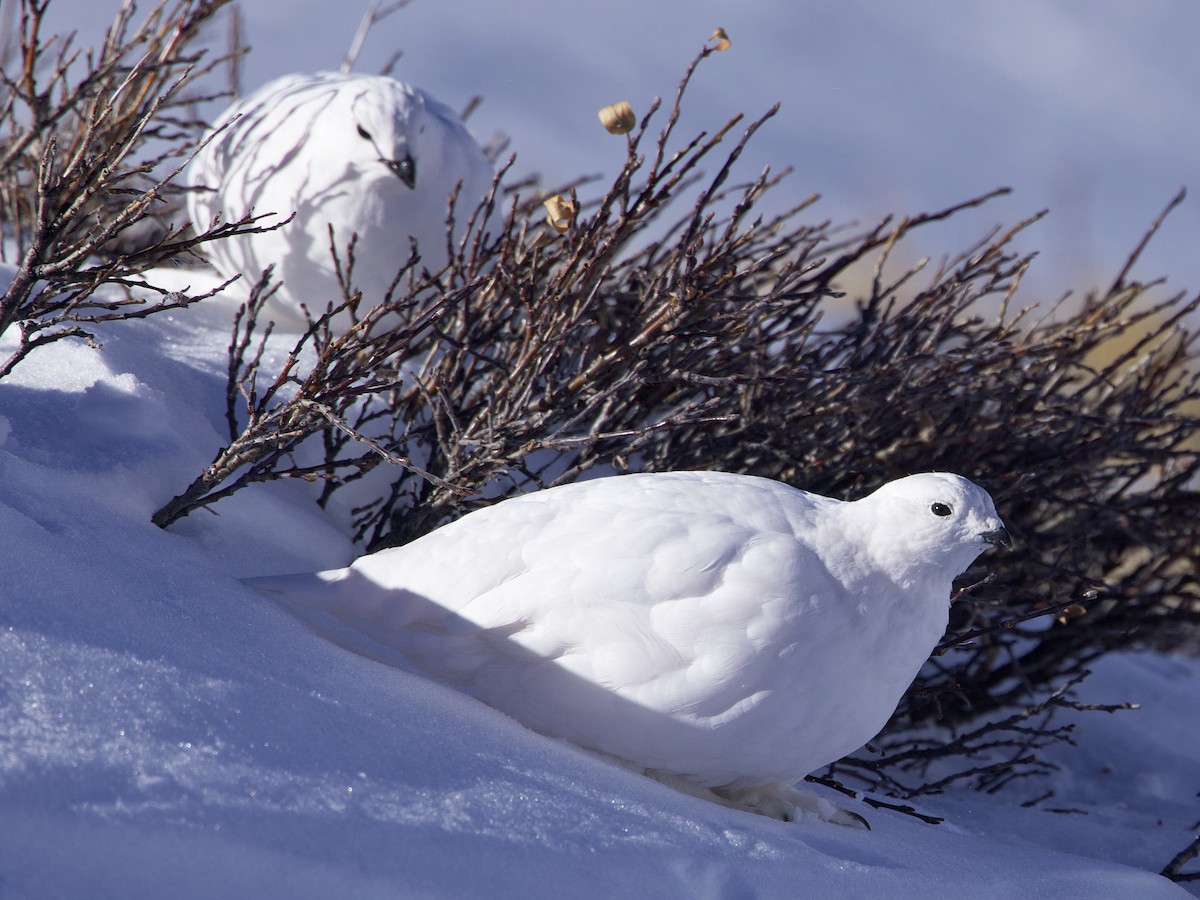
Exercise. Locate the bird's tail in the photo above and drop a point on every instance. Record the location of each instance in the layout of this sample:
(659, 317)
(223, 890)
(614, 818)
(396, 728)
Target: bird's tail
(314, 590)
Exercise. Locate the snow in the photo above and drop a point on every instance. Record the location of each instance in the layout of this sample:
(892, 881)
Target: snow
(166, 731)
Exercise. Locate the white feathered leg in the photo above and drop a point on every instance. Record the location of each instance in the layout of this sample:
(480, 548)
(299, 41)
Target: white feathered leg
(776, 801)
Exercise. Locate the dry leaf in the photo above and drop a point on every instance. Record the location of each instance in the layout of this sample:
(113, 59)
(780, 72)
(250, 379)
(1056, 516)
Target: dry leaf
(560, 212)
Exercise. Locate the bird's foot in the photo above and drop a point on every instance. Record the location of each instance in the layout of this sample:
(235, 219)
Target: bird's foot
(783, 801)
(776, 801)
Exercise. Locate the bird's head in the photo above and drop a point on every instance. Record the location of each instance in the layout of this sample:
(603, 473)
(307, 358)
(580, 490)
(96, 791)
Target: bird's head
(389, 123)
(934, 519)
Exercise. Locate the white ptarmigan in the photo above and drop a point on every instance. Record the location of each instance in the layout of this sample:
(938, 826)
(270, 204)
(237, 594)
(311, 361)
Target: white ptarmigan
(727, 634)
(365, 154)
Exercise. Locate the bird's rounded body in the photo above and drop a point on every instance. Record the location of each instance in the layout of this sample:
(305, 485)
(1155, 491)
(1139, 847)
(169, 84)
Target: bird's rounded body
(371, 156)
(727, 629)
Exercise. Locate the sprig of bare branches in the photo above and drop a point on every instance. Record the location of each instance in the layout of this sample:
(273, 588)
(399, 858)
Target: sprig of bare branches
(1174, 869)
(90, 142)
(375, 12)
(988, 754)
(331, 371)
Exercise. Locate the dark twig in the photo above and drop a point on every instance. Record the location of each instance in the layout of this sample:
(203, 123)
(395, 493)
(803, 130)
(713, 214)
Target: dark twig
(89, 150)
(1174, 869)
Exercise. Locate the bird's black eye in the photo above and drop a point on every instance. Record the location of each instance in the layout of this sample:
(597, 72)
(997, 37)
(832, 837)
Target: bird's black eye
(363, 133)
(941, 509)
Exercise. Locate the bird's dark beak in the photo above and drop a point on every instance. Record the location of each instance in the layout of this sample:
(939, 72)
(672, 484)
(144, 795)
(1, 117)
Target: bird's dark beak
(998, 538)
(405, 169)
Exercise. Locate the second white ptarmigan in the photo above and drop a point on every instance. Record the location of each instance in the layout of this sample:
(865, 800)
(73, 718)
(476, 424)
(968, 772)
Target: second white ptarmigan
(366, 154)
(727, 634)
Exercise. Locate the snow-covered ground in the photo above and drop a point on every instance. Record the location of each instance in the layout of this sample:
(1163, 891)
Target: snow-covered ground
(165, 731)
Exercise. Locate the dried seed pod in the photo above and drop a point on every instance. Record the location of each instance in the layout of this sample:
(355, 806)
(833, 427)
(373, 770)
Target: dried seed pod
(618, 118)
(560, 212)
(722, 39)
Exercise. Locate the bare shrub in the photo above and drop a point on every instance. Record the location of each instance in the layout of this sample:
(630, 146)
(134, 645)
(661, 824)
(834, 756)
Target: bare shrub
(89, 143)
(330, 374)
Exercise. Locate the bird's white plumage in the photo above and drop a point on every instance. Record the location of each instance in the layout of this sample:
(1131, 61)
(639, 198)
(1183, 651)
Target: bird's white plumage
(366, 154)
(722, 630)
